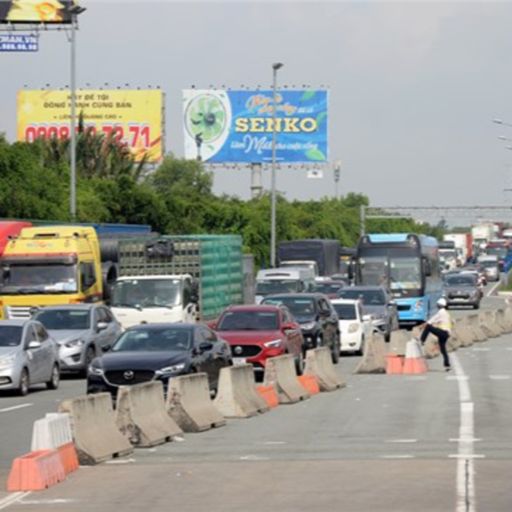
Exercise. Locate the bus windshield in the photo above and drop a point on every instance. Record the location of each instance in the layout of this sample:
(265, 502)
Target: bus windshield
(405, 274)
(373, 271)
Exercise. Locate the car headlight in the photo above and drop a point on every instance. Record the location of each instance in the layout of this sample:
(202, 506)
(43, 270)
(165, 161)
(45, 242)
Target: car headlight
(171, 369)
(354, 327)
(7, 361)
(74, 343)
(308, 326)
(273, 344)
(94, 370)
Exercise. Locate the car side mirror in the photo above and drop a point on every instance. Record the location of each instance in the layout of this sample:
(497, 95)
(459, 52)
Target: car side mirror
(101, 326)
(391, 303)
(205, 346)
(33, 344)
(106, 348)
(288, 326)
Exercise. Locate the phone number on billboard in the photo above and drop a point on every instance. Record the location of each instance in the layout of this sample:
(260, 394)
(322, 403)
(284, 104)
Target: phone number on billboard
(134, 135)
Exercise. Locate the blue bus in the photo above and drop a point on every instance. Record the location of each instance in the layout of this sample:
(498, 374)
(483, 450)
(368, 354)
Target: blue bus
(408, 266)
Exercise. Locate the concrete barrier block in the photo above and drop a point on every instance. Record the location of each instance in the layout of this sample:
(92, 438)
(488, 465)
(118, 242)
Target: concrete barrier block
(478, 333)
(319, 364)
(398, 342)
(190, 405)
(374, 357)
(141, 415)
(234, 394)
(487, 325)
(280, 372)
(94, 429)
(464, 333)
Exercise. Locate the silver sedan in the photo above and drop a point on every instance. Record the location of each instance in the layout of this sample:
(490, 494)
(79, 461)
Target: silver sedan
(28, 355)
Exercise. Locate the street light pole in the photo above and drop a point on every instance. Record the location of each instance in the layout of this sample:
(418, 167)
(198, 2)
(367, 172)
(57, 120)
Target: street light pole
(275, 67)
(75, 10)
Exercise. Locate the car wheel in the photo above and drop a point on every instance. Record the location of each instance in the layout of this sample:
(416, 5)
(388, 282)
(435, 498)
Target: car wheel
(476, 306)
(360, 352)
(335, 352)
(24, 383)
(90, 354)
(299, 364)
(54, 381)
(387, 336)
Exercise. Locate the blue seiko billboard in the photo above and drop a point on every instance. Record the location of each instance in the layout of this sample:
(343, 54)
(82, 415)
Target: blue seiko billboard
(237, 126)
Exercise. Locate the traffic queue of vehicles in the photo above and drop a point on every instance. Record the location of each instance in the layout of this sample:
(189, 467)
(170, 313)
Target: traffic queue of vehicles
(175, 305)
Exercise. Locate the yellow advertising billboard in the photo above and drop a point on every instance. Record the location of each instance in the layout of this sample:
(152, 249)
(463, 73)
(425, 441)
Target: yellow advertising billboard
(35, 11)
(134, 117)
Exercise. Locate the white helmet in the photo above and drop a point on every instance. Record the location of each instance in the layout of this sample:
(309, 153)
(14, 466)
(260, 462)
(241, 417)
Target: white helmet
(441, 303)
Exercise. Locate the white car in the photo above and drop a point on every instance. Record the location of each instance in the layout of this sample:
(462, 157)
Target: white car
(355, 328)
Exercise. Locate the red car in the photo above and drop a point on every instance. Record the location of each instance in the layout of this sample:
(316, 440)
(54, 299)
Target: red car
(256, 333)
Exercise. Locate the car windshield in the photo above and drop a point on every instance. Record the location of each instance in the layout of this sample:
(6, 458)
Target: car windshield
(277, 286)
(327, 288)
(10, 335)
(249, 321)
(154, 340)
(345, 311)
(460, 280)
(405, 273)
(32, 279)
(64, 319)
(373, 271)
(501, 252)
(146, 293)
(368, 297)
(299, 307)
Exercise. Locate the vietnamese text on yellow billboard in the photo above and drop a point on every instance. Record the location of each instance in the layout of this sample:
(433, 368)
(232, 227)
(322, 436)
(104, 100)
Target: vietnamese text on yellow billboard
(133, 117)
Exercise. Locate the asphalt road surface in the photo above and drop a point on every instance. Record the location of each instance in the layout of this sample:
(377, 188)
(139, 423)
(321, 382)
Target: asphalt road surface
(436, 442)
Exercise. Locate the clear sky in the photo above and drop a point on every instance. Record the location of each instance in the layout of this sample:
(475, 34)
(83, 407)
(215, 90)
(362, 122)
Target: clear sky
(414, 86)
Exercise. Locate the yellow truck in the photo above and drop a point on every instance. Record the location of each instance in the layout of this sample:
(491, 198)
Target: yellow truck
(50, 265)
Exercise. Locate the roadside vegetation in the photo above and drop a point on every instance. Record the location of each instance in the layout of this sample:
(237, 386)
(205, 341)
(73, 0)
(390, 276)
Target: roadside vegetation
(177, 198)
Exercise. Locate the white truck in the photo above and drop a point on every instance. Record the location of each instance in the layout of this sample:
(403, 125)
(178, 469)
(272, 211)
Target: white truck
(177, 278)
(482, 233)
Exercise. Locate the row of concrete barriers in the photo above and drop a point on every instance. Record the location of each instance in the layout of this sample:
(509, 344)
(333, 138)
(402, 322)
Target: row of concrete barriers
(93, 431)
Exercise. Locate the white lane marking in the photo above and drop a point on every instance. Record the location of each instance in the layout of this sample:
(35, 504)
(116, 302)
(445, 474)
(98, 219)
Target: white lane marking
(12, 498)
(395, 456)
(499, 377)
(401, 441)
(120, 461)
(57, 501)
(15, 407)
(465, 455)
(508, 348)
(460, 378)
(253, 457)
(458, 439)
(492, 290)
(274, 442)
(480, 349)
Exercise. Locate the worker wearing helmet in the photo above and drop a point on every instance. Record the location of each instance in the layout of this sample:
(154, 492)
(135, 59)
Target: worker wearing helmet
(440, 326)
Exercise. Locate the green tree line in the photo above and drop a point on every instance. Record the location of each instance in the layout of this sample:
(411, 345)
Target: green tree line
(176, 198)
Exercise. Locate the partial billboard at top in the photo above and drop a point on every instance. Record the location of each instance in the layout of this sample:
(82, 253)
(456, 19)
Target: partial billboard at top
(35, 11)
(132, 117)
(237, 126)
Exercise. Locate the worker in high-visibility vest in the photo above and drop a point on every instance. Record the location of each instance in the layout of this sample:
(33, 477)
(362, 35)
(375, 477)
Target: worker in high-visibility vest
(440, 325)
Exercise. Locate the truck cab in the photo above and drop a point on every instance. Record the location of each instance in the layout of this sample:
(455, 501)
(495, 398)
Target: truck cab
(154, 298)
(307, 264)
(47, 266)
(283, 280)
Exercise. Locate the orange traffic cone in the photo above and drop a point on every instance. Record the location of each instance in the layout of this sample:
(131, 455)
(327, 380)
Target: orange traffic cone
(414, 361)
(309, 383)
(394, 364)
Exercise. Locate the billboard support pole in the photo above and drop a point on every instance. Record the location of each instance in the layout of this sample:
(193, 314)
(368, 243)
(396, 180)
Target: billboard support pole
(75, 10)
(275, 67)
(72, 193)
(362, 220)
(256, 186)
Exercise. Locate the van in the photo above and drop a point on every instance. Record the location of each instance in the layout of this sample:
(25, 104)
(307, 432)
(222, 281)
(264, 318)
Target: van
(283, 280)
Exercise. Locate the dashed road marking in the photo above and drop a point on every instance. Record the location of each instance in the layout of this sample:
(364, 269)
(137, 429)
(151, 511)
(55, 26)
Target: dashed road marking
(274, 442)
(480, 349)
(465, 456)
(460, 378)
(253, 457)
(15, 407)
(404, 441)
(499, 377)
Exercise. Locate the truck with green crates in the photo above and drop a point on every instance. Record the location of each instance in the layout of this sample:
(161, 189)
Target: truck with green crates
(177, 278)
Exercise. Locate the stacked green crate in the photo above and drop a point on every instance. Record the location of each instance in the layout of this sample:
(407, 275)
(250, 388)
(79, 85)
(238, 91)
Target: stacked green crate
(220, 275)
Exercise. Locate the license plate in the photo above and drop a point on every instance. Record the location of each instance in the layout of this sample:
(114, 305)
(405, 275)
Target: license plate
(239, 360)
